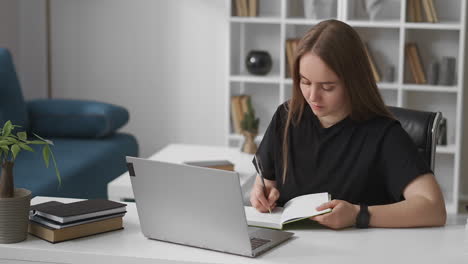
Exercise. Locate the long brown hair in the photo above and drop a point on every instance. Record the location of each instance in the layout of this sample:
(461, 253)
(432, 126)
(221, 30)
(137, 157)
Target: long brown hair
(341, 48)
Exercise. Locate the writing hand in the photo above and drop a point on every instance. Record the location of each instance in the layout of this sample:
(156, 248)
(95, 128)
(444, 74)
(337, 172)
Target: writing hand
(263, 201)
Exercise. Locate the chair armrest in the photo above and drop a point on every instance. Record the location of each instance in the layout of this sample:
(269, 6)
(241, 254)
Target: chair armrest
(75, 118)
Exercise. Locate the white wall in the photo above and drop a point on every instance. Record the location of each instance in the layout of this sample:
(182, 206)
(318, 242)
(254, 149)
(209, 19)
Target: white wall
(31, 66)
(164, 60)
(22, 31)
(9, 28)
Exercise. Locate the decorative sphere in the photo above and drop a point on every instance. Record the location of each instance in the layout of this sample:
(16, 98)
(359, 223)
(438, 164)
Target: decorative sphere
(258, 62)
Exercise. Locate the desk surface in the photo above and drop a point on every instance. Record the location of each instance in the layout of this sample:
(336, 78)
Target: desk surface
(311, 244)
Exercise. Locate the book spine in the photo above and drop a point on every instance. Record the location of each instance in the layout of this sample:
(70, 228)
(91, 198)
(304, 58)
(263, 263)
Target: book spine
(234, 114)
(419, 65)
(433, 11)
(374, 69)
(410, 61)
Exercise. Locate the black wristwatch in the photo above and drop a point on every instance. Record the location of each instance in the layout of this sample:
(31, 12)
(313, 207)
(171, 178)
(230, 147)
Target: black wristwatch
(363, 217)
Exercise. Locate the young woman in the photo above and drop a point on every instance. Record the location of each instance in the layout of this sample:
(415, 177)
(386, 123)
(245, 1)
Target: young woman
(335, 135)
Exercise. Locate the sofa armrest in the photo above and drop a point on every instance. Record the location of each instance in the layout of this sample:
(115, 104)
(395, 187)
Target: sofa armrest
(75, 118)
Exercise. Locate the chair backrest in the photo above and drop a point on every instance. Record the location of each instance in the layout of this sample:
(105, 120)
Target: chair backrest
(12, 104)
(423, 128)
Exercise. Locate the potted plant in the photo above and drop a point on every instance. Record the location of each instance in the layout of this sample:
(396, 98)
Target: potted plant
(249, 125)
(15, 203)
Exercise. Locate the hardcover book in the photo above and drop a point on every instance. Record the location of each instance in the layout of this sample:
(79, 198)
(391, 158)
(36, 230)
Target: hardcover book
(71, 212)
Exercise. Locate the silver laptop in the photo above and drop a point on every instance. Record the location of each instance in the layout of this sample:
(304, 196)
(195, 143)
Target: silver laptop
(197, 207)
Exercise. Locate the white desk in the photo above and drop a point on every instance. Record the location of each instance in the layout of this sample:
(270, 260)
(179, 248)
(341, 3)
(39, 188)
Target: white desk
(311, 244)
(120, 189)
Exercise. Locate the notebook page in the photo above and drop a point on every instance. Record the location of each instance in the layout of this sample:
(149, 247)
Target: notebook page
(255, 218)
(304, 207)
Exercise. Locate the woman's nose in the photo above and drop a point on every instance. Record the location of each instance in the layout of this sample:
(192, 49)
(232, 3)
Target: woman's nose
(313, 93)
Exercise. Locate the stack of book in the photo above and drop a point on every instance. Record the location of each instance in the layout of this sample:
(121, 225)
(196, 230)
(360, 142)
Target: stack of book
(414, 61)
(55, 221)
(415, 11)
(247, 8)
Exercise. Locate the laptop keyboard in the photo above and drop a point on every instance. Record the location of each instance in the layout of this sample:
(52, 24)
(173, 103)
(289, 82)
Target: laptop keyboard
(257, 242)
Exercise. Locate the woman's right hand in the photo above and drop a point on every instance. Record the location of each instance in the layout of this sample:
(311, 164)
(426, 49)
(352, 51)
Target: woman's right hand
(263, 201)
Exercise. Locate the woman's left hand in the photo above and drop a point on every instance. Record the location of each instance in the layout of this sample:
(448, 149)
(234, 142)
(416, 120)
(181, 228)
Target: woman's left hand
(343, 214)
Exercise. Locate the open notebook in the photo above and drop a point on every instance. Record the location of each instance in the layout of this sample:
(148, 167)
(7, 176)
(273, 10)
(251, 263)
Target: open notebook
(296, 209)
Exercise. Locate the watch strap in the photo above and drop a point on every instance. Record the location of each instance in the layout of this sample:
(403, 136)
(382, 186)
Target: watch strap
(363, 217)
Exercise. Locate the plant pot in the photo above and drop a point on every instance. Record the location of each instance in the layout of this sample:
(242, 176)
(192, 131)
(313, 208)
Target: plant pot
(14, 219)
(249, 145)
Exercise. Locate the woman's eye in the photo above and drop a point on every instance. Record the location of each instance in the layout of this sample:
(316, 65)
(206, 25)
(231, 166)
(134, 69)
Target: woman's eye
(305, 82)
(328, 88)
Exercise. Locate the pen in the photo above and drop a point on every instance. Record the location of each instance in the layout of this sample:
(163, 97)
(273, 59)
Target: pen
(260, 172)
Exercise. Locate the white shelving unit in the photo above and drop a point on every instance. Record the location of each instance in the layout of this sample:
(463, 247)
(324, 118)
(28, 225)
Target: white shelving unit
(386, 36)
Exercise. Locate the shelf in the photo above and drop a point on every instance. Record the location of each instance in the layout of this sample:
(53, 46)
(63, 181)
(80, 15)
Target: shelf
(259, 20)
(374, 24)
(441, 26)
(301, 21)
(254, 79)
(430, 88)
(387, 86)
(449, 149)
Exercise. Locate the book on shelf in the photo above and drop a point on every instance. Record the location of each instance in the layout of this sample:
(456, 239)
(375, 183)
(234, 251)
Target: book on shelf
(411, 16)
(72, 212)
(214, 164)
(246, 8)
(415, 63)
(416, 8)
(418, 11)
(374, 69)
(239, 106)
(253, 8)
(428, 11)
(291, 45)
(58, 235)
(433, 11)
(236, 113)
(299, 208)
(244, 100)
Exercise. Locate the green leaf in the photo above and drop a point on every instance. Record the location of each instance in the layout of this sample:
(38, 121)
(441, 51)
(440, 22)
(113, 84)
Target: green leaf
(7, 128)
(56, 168)
(46, 155)
(4, 143)
(25, 147)
(5, 148)
(11, 140)
(22, 136)
(37, 142)
(45, 140)
(15, 149)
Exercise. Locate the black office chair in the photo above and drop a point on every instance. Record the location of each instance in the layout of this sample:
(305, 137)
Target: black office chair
(423, 128)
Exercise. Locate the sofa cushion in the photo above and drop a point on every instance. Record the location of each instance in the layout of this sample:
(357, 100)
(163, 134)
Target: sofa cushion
(86, 166)
(12, 104)
(75, 118)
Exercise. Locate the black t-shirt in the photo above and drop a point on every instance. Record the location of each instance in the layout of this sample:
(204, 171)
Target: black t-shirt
(368, 162)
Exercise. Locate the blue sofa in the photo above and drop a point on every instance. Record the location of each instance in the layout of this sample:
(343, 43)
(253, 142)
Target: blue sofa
(88, 150)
